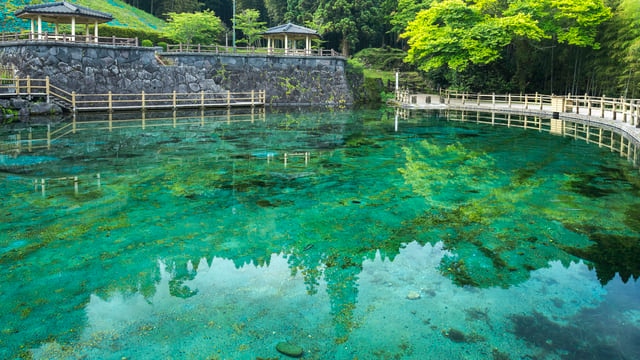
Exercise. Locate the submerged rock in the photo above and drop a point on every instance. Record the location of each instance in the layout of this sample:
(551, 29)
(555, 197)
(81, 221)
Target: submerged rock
(289, 349)
(413, 295)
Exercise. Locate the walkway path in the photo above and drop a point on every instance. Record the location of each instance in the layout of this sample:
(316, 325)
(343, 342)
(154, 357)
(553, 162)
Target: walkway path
(620, 114)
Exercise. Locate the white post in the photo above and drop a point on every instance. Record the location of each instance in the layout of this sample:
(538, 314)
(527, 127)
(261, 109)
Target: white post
(95, 31)
(39, 27)
(286, 44)
(73, 28)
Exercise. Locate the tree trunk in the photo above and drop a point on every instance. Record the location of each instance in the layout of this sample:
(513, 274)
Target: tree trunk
(345, 46)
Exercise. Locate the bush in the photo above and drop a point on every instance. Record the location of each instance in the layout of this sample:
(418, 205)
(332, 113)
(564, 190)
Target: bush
(386, 59)
(163, 45)
(147, 43)
(121, 32)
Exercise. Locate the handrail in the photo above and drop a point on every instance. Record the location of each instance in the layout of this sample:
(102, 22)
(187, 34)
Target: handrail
(602, 107)
(127, 101)
(68, 38)
(253, 50)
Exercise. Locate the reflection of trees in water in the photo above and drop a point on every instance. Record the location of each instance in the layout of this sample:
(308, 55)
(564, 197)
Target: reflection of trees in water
(495, 232)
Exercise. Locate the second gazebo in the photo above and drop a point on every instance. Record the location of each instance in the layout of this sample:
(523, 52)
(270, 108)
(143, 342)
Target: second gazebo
(290, 34)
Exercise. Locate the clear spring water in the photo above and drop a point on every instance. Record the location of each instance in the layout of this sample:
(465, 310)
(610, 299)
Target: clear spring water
(435, 240)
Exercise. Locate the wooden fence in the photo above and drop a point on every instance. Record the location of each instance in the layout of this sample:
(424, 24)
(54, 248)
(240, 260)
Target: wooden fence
(244, 50)
(124, 101)
(616, 109)
(68, 38)
(171, 48)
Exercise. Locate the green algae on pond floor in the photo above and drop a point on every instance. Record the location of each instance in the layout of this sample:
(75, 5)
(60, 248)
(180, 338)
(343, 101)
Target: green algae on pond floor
(202, 241)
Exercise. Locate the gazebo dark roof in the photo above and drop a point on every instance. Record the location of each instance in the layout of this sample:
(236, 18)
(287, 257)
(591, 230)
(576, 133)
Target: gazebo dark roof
(61, 12)
(291, 29)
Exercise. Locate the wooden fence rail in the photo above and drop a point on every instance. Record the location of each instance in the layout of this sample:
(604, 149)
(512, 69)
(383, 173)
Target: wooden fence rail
(220, 49)
(125, 101)
(616, 109)
(68, 38)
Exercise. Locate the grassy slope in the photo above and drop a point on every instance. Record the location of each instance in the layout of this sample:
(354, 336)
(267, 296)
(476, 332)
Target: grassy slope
(124, 14)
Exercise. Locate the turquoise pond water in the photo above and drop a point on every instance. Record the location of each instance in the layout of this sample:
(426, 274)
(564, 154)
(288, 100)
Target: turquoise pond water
(375, 239)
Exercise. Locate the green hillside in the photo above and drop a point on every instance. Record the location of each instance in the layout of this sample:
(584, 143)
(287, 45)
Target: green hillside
(124, 15)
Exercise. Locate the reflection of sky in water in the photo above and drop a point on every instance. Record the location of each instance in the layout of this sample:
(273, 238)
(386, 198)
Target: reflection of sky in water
(242, 313)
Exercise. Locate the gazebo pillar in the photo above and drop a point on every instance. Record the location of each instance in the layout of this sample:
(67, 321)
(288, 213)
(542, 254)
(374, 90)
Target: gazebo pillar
(95, 31)
(39, 27)
(33, 30)
(307, 45)
(286, 44)
(73, 28)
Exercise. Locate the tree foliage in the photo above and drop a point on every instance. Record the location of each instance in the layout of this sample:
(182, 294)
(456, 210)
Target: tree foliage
(201, 27)
(247, 22)
(455, 34)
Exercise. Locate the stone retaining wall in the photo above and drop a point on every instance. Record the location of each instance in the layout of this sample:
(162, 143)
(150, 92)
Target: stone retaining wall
(98, 69)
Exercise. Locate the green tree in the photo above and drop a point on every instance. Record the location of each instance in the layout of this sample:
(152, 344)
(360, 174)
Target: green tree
(276, 9)
(166, 7)
(247, 22)
(350, 20)
(405, 12)
(202, 27)
(454, 34)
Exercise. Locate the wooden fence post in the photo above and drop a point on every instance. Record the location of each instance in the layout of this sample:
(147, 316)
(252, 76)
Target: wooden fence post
(142, 104)
(541, 103)
(228, 98)
(175, 105)
(602, 106)
(73, 101)
(110, 101)
(46, 88)
(202, 99)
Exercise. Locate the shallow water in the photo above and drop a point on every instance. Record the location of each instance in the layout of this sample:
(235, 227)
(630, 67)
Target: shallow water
(375, 239)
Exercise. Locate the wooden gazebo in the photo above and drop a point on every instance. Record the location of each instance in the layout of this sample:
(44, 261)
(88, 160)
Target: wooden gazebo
(289, 34)
(63, 13)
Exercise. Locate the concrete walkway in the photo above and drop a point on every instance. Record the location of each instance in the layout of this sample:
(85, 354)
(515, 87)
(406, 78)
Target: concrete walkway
(608, 113)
